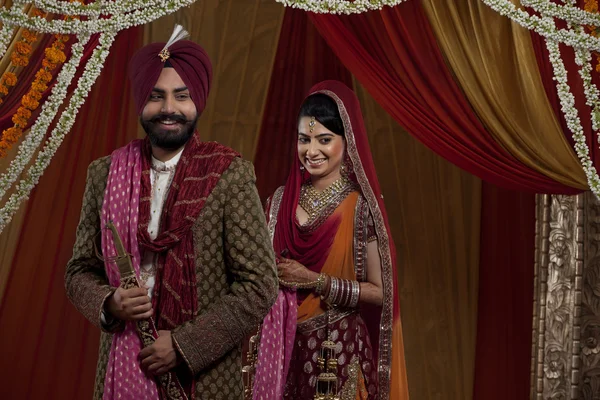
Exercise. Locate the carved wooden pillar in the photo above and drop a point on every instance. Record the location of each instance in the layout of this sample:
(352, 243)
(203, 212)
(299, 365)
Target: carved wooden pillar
(566, 322)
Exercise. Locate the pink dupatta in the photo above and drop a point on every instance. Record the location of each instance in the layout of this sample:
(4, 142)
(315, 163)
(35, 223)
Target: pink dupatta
(124, 377)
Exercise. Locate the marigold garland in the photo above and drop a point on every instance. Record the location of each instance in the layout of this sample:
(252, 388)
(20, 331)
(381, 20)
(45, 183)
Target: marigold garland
(19, 58)
(23, 48)
(54, 55)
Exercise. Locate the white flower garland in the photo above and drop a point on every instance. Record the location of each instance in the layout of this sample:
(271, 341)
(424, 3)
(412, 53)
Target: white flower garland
(6, 33)
(48, 113)
(113, 24)
(567, 12)
(583, 58)
(339, 6)
(545, 26)
(65, 123)
(96, 8)
(567, 102)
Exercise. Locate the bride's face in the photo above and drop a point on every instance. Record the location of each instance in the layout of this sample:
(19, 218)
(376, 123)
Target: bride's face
(321, 151)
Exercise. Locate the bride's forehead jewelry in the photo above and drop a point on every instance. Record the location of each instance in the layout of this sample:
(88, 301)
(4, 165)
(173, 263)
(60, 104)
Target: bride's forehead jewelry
(311, 124)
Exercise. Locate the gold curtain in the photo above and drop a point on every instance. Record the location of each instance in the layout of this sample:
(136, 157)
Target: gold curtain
(241, 39)
(494, 62)
(434, 209)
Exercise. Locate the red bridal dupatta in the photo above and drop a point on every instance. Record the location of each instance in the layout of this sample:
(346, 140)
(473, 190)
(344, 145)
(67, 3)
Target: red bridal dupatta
(312, 250)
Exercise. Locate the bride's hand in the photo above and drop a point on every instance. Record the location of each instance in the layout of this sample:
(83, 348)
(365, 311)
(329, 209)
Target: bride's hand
(291, 271)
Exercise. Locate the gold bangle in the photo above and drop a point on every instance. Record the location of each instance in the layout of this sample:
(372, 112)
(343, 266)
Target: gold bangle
(320, 283)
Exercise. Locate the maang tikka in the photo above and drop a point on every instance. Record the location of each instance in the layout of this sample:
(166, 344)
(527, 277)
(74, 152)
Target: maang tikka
(311, 124)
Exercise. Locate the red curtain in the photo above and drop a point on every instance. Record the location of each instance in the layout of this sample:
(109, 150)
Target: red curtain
(302, 59)
(505, 310)
(393, 53)
(48, 349)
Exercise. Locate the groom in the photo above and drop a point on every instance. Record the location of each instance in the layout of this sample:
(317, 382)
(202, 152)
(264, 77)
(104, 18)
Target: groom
(189, 214)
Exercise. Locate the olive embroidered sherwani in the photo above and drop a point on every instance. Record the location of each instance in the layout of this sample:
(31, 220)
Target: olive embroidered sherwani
(235, 276)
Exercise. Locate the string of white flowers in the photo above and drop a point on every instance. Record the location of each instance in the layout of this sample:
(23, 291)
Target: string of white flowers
(91, 72)
(96, 8)
(6, 33)
(76, 26)
(567, 100)
(48, 112)
(568, 12)
(339, 6)
(583, 58)
(544, 26)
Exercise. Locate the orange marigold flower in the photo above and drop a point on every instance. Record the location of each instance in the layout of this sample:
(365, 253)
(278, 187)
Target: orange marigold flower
(3, 90)
(43, 76)
(9, 79)
(19, 60)
(55, 56)
(62, 38)
(29, 36)
(11, 135)
(24, 113)
(38, 86)
(35, 95)
(48, 65)
(59, 45)
(20, 121)
(23, 48)
(29, 102)
(591, 6)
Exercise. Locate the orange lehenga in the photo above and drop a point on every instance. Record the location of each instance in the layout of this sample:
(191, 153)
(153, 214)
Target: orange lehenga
(316, 321)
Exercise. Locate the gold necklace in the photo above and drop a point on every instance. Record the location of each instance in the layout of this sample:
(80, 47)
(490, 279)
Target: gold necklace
(314, 202)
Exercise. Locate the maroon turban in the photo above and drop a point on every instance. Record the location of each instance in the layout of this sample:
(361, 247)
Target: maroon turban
(187, 58)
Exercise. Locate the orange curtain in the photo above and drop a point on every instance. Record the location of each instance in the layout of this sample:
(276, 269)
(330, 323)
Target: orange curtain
(49, 350)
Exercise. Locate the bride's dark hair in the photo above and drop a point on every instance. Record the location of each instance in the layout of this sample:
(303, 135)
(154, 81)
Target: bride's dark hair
(325, 110)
